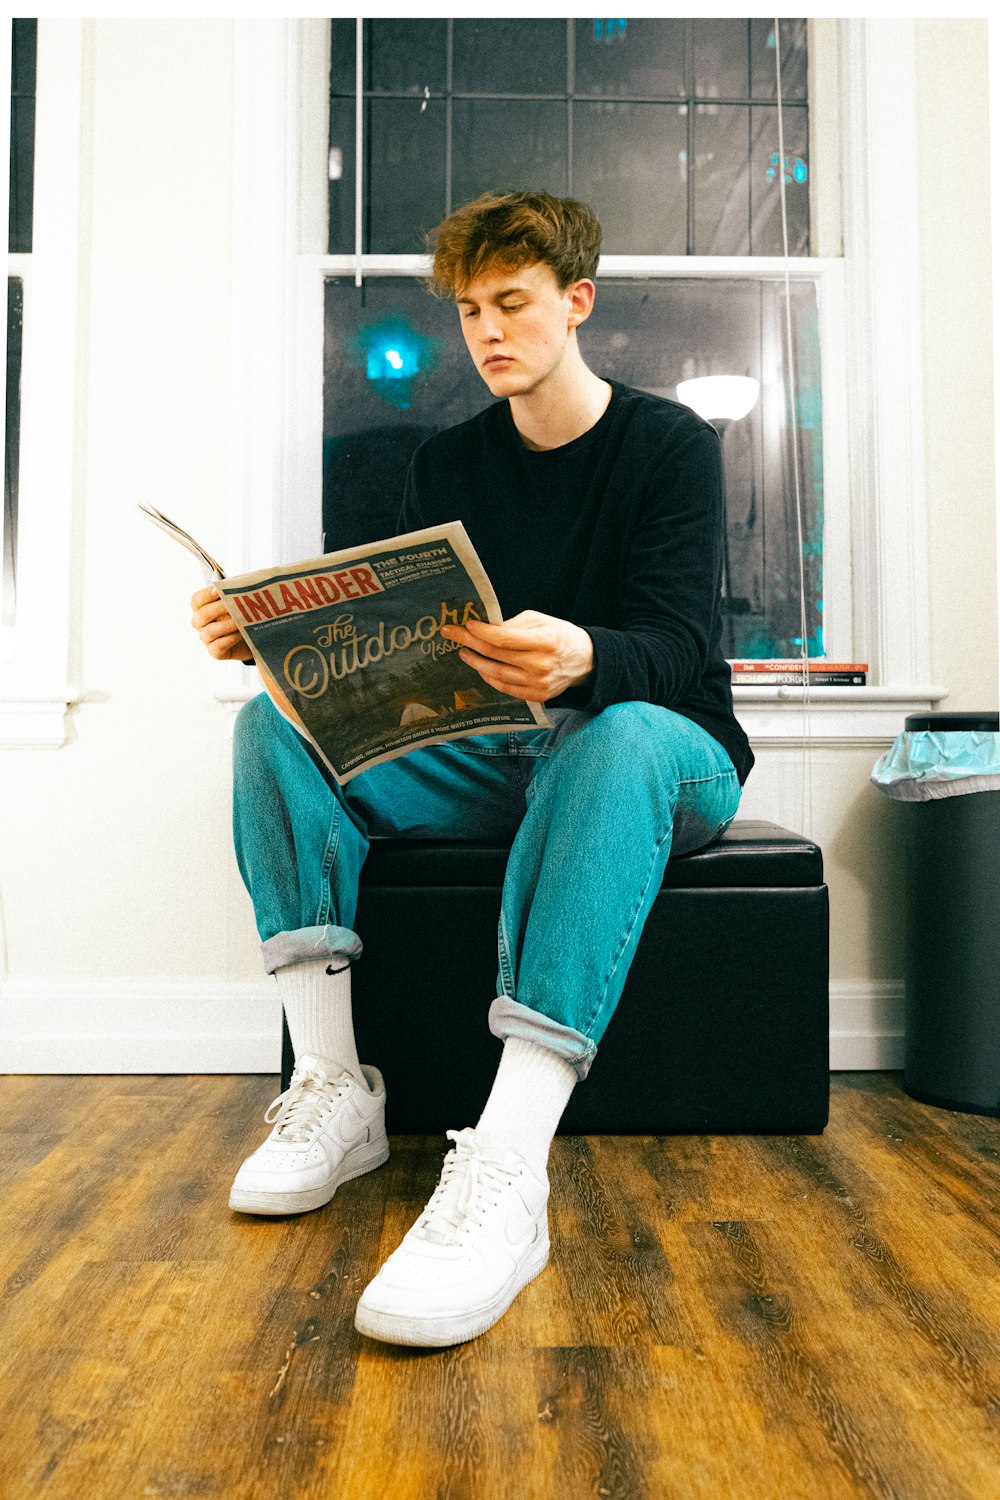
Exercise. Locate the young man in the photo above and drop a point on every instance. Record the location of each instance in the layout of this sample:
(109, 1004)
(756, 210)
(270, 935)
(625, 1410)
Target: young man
(597, 512)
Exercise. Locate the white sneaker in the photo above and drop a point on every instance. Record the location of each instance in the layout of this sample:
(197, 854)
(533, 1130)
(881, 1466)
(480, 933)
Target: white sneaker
(483, 1236)
(328, 1129)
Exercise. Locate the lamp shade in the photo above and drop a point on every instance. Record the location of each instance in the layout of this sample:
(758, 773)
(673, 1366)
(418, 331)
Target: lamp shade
(712, 396)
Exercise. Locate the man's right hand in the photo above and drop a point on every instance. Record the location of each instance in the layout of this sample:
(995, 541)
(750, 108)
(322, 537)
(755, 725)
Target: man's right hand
(215, 627)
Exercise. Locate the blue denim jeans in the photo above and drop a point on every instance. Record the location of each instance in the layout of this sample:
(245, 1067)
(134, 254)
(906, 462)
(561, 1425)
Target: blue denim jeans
(591, 808)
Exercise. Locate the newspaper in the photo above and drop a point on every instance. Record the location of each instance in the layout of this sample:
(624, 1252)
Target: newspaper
(349, 648)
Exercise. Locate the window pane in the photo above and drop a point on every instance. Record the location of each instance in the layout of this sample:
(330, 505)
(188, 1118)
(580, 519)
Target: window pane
(405, 156)
(792, 35)
(634, 59)
(652, 335)
(648, 334)
(405, 163)
(342, 61)
(24, 49)
(509, 57)
(613, 142)
(377, 410)
(721, 180)
(11, 447)
(341, 191)
(721, 61)
(779, 442)
(629, 165)
(24, 35)
(406, 57)
(501, 149)
(765, 191)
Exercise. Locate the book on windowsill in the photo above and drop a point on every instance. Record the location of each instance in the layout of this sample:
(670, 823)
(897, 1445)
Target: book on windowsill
(772, 671)
(349, 650)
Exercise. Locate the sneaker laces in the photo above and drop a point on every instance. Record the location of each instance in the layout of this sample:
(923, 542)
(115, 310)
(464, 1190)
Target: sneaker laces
(470, 1183)
(306, 1103)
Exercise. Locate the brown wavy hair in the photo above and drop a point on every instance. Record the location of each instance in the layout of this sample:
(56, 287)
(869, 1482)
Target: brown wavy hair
(506, 231)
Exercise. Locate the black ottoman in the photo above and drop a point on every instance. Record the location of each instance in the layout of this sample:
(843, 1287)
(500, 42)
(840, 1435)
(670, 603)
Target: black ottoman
(723, 1025)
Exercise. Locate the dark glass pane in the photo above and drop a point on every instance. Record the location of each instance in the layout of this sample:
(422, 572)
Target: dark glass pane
(509, 57)
(406, 173)
(781, 553)
(341, 195)
(498, 148)
(342, 59)
(378, 409)
(24, 35)
(647, 334)
(22, 174)
(765, 192)
(794, 59)
(721, 180)
(653, 334)
(628, 159)
(406, 57)
(629, 165)
(634, 59)
(11, 446)
(24, 49)
(721, 62)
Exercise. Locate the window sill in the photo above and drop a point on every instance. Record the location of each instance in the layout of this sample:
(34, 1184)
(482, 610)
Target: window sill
(774, 716)
(37, 721)
(771, 716)
(867, 716)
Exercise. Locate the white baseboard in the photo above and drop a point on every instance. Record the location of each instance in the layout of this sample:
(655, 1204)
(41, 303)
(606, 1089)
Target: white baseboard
(139, 1026)
(866, 1025)
(217, 1026)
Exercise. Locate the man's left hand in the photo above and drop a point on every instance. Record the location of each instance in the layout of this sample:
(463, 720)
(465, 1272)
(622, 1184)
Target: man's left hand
(531, 656)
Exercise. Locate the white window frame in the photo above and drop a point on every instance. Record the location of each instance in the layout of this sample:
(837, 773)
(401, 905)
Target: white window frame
(870, 338)
(36, 687)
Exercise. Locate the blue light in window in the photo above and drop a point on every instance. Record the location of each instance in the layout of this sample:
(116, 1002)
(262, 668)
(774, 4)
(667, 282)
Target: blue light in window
(392, 363)
(799, 173)
(393, 356)
(609, 31)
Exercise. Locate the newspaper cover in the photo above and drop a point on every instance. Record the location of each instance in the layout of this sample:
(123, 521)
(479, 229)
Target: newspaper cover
(349, 647)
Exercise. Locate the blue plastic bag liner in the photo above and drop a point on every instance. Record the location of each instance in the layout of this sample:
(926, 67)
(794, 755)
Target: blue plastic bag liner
(941, 755)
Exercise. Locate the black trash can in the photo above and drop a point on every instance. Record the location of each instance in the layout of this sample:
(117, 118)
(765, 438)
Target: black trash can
(946, 770)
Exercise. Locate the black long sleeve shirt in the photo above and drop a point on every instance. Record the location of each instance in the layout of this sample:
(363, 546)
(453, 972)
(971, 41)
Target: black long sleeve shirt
(619, 531)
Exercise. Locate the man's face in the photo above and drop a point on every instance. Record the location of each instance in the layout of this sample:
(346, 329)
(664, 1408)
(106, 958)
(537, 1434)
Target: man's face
(518, 325)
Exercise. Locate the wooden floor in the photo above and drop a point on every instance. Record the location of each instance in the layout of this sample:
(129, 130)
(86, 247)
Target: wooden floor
(762, 1318)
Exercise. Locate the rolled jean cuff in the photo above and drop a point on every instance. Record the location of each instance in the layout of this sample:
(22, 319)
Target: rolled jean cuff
(305, 943)
(510, 1018)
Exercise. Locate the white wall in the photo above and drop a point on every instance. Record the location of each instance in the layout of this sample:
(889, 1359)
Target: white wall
(129, 943)
(956, 260)
(120, 904)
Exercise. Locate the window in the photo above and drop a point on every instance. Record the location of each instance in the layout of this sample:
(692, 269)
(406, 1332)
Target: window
(609, 111)
(24, 36)
(24, 43)
(15, 310)
(669, 129)
(863, 272)
(41, 463)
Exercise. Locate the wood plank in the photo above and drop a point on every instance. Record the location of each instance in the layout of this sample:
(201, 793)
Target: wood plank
(773, 1318)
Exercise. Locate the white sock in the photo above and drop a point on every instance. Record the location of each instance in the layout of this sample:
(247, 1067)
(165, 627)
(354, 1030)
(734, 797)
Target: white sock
(317, 1000)
(529, 1094)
